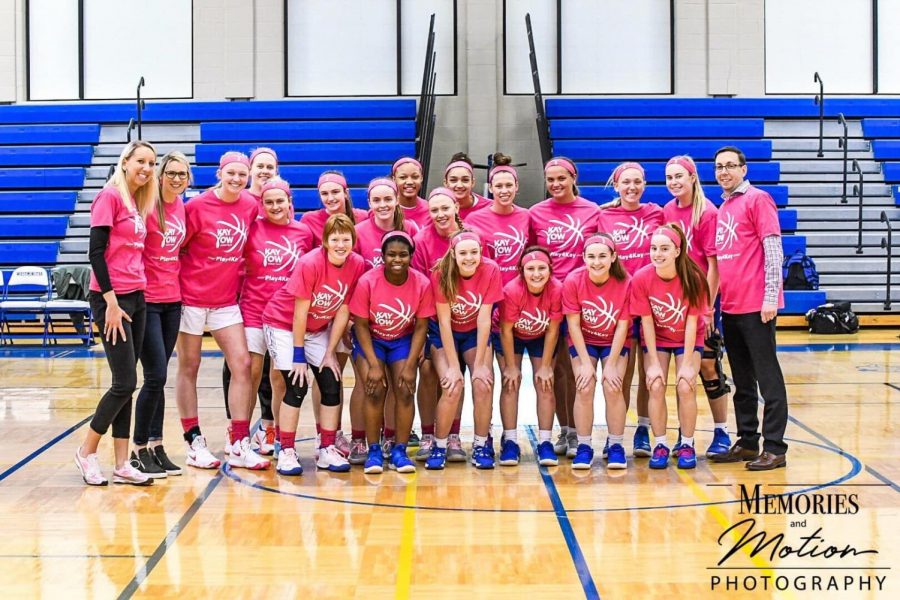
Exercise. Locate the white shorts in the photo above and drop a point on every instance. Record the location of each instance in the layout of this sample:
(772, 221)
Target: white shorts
(256, 340)
(281, 347)
(194, 319)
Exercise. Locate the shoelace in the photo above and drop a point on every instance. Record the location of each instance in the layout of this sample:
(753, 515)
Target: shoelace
(660, 453)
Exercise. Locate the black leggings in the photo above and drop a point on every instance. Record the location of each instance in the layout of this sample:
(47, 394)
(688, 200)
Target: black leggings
(114, 407)
(160, 336)
(264, 393)
(329, 387)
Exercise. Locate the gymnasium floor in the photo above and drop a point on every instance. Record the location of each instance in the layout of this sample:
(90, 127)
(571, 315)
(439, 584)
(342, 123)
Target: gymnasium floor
(510, 532)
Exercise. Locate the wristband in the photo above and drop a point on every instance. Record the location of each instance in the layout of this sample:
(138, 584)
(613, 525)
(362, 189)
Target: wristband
(299, 354)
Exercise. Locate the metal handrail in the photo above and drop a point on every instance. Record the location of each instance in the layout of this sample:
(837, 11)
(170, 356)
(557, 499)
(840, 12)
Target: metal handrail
(140, 107)
(131, 125)
(430, 121)
(110, 171)
(425, 117)
(820, 100)
(842, 143)
(858, 190)
(427, 69)
(887, 244)
(543, 127)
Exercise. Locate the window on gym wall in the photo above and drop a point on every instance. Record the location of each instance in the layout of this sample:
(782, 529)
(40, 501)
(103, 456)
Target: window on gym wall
(99, 49)
(367, 47)
(590, 47)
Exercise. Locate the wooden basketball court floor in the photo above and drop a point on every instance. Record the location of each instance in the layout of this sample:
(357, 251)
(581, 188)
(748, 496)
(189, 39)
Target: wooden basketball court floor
(507, 533)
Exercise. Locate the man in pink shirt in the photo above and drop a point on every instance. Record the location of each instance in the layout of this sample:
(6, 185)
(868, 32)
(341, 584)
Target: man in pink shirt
(748, 248)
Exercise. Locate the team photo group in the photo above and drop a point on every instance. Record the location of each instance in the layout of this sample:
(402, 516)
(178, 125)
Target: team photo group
(432, 296)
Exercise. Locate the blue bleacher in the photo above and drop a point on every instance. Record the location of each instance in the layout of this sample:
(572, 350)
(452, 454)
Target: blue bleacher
(316, 152)
(655, 172)
(308, 198)
(852, 108)
(659, 194)
(797, 302)
(45, 156)
(787, 220)
(593, 150)
(26, 179)
(28, 253)
(308, 131)
(306, 175)
(581, 129)
(38, 202)
(49, 134)
(33, 227)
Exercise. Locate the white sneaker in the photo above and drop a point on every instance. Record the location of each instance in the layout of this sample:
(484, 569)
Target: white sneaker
(572, 444)
(128, 474)
(198, 455)
(342, 444)
(263, 441)
(288, 463)
(332, 460)
(243, 457)
(228, 440)
(89, 468)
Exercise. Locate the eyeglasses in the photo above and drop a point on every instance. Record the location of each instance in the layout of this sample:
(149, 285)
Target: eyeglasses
(728, 167)
(173, 175)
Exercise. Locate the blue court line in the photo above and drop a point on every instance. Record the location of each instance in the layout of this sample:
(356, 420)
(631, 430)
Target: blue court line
(891, 385)
(581, 566)
(170, 539)
(40, 450)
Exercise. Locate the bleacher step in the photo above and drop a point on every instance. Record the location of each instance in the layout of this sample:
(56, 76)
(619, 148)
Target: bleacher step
(840, 280)
(809, 154)
(845, 211)
(807, 224)
(827, 165)
(871, 248)
(882, 202)
(848, 238)
(112, 151)
(152, 133)
(816, 189)
(858, 264)
(811, 177)
(828, 144)
(863, 294)
(800, 128)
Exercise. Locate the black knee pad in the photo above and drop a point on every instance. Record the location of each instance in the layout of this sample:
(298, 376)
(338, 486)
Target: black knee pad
(329, 386)
(718, 387)
(294, 394)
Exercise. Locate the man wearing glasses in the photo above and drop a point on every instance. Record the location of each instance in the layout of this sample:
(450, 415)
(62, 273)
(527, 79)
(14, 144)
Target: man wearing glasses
(748, 247)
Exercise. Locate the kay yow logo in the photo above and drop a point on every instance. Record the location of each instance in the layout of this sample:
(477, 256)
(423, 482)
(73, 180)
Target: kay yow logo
(466, 307)
(533, 323)
(393, 318)
(230, 235)
(726, 232)
(329, 299)
(285, 255)
(173, 236)
(668, 311)
(565, 234)
(508, 246)
(630, 234)
(600, 314)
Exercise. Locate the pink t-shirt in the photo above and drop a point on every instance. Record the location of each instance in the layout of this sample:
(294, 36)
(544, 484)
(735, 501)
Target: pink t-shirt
(124, 252)
(316, 219)
(271, 255)
(745, 220)
(430, 248)
(212, 259)
(631, 230)
(702, 238)
(392, 309)
(368, 240)
(601, 306)
(562, 228)
(505, 237)
(161, 263)
(482, 288)
(479, 203)
(531, 314)
(664, 300)
(418, 214)
(326, 286)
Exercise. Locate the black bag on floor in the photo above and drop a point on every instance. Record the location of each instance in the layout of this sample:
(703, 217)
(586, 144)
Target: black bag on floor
(833, 317)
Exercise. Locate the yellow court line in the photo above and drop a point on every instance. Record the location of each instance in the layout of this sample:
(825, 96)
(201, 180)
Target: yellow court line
(407, 540)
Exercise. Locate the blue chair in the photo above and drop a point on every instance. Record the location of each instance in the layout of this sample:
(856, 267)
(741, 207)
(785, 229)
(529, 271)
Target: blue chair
(26, 293)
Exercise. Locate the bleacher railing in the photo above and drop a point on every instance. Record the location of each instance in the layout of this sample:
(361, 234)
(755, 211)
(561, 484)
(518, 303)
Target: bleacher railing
(140, 108)
(820, 100)
(131, 125)
(425, 117)
(887, 244)
(858, 190)
(842, 143)
(543, 127)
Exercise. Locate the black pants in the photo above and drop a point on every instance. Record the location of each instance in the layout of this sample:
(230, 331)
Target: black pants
(264, 392)
(750, 345)
(115, 405)
(161, 334)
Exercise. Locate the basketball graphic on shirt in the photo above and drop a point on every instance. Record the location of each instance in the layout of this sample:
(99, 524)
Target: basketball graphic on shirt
(329, 299)
(600, 315)
(630, 234)
(231, 234)
(466, 307)
(508, 246)
(726, 232)
(688, 234)
(376, 260)
(285, 254)
(668, 312)
(532, 323)
(393, 318)
(172, 238)
(565, 234)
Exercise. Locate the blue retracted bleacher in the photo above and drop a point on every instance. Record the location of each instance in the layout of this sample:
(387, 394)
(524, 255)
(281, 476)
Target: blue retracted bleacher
(307, 175)
(28, 253)
(886, 149)
(684, 129)
(41, 178)
(787, 220)
(50, 134)
(308, 198)
(599, 172)
(269, 132)
(718, 107)
(38, 202)
(659, 194)
(45, 156)
(797, 302)
(596, 150)
(881, 128)
(317, 152)
(33, 227)
(891, 172)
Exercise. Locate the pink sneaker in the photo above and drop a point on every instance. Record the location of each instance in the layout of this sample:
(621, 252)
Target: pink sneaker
(342, 444)
(89, 468)
(128, 474)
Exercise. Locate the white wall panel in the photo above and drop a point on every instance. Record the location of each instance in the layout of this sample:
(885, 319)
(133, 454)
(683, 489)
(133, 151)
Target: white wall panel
(53, 49)
(415, 15)
(518, 66)
(888, 47)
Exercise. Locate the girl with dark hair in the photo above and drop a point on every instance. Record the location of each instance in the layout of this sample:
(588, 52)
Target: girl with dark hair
(407, 174)
(671, 297)
(459, 176)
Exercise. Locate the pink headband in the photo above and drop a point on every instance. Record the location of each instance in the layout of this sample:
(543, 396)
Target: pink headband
(688, 165)
(562, 162)
(442, 191)
(406, 160)
(669, 233)
(381, 181)
(263, 150)
(234, 157)
(332, 178)
(599, 239)
(465, 236)
(503, 169)
(617, 172)
(459, 163)
(535, 255)
(398, 234)
(281, 184)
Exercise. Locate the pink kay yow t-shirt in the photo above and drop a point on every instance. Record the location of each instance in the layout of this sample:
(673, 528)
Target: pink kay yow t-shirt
(124, 252)
(392, 309)
(601, 306)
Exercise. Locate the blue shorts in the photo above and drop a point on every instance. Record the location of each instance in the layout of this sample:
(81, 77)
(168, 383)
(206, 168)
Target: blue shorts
(636, 328)
(463, 340)
(534, 347)
(387, 352)
(676, 351)
(598, 352)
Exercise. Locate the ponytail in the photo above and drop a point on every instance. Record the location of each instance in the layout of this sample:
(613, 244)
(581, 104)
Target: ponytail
(693, 280)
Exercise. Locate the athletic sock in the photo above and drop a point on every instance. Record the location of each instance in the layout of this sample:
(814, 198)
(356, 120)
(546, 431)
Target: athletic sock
(239, 430)
(389, 433)
(328, 437)
(687, 441)
(644, 422)
(428, 429)
(441, 443)
(454, 429)
(511, 434)
(660, 440)
(479, 441)
(358, 434)
(722, 426)
(190, 423)
(545, 435)
(616, 439)
(287, 439)
(584, 439)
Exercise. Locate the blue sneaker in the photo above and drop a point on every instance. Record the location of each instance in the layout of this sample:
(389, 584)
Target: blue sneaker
(584, 456)
(374, 461)
(509, 454)
(605, 452)
(677, 448)
(721, 443)
(481, 458)
(616, 457)
(642, 441)
(660, 459)
(687, 459)
(437, 460)
(400, 462)
(547, 455)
